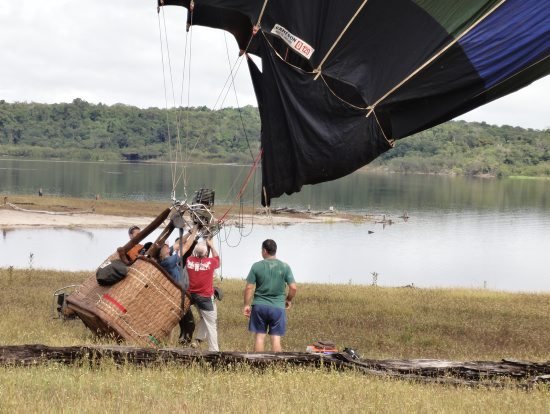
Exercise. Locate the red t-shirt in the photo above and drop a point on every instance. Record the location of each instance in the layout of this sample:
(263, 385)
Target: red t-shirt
(201, 274)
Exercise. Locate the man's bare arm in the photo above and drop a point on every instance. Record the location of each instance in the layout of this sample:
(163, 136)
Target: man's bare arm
(248, 294)
(185, 237)
(292, 288)
(190, 238)
(210, 244)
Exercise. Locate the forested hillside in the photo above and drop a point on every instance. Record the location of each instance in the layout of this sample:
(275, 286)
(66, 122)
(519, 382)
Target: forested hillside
(471, 148)
(84, 131)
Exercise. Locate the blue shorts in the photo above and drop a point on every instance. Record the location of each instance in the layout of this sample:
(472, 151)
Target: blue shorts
(267, 319)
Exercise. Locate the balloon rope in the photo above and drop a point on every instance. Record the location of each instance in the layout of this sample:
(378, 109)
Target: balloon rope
(243, 53)
(243, 187)
(232, 73)
(166, 101)
(390, 141)
(248, 145)
(230, 76)
(178, 135)
(434, 57)
(277, 54)
(187, 122)
(261, 15)
(237, 98)
(318, 70)
(185, 160)
(361, 108)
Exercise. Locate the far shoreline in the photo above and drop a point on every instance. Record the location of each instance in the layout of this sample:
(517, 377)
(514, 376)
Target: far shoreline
(31, 211)
(366, 169)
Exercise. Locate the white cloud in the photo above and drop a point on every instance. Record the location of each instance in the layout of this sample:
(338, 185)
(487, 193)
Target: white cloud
(105, 51)
(528, 107)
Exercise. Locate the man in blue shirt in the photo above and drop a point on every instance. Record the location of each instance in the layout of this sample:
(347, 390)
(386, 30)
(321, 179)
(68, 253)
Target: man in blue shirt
(171, 263)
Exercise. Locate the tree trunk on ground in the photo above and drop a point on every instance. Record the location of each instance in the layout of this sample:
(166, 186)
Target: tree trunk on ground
(503, 373)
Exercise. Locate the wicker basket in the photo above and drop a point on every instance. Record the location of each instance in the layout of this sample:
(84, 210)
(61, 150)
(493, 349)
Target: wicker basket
(143, 308)
(84, 301)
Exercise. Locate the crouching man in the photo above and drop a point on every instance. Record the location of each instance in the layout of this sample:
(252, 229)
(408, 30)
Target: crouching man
(266, 284)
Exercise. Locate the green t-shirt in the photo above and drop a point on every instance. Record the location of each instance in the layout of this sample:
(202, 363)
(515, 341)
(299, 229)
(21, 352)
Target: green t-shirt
(270, 277)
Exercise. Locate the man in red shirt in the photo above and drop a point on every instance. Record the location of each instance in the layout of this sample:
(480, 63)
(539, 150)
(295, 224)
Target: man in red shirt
(201, 268)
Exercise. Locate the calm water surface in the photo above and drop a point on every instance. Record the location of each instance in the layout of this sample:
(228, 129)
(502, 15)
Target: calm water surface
(390, 193)
(462, 232)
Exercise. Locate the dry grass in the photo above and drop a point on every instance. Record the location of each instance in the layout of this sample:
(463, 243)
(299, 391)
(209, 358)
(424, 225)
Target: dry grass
(57, 388)
(379, 322)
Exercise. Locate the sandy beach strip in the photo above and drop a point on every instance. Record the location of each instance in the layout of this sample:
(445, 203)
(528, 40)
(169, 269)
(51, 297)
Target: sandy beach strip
(11, 219)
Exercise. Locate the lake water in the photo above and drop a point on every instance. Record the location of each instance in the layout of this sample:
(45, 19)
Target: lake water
(462, 231)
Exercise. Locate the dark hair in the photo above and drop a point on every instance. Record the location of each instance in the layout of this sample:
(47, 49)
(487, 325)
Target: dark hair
(270, 247)
(131, 229)
(145, 248)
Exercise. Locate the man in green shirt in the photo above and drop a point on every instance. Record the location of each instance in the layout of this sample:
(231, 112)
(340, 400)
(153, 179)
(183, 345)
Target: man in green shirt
(266, 284)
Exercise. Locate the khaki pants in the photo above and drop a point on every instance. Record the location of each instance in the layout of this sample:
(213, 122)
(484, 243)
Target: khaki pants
(207, 329)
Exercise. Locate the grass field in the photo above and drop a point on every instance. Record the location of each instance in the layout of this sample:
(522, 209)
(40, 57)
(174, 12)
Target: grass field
(378, 322)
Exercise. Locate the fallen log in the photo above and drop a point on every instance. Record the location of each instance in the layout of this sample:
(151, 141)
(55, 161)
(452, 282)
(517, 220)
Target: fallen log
(502, 373)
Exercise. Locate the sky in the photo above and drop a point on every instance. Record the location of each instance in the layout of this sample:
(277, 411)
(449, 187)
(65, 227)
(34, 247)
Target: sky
(110, 52)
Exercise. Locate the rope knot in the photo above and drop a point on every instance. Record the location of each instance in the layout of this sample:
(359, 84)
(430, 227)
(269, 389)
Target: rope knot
(317, 72)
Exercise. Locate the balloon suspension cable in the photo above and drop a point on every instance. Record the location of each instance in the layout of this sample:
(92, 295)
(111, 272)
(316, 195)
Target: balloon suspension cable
(187, 53)
(260, 16)
(318, 69)
(224, 92)
(166, 99)
(178, 135)
(435, 56)
(267, 207)
(243, 187)
(237, 98)
(302, 70)
(230, 84)
(176, 158)
(255, 29)
(221, 257)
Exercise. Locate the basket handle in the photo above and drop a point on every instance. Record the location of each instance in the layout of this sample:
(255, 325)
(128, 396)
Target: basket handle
(161, 239)
(122, 251)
